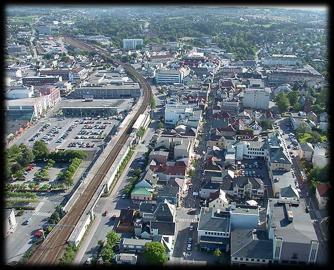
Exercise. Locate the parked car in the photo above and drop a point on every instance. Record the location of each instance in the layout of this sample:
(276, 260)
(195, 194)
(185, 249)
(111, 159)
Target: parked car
(124, 196)
(105, 213)
(189, 247)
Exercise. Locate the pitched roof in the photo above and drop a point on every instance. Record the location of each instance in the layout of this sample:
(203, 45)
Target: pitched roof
(164, 228)
(246, 244)
(164, 212)
(323, 189)
(141, 191)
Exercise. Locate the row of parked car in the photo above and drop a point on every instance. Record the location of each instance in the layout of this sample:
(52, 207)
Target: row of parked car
(81, 145)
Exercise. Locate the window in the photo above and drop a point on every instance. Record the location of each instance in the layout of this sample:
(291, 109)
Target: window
(246, 259)
(252, 260)
(257, 260)
(263, 260)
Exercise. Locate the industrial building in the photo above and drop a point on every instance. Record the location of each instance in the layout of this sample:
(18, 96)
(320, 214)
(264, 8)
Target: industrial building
(93, 108)
(125, 90)
(40, 80)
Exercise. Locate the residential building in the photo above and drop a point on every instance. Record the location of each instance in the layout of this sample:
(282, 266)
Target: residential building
(256, 98)
(170, 193)
(133, 245)
(40, 80)
(65, 74)
(218, 200)
(142, 193)
(125, 221)
(126, 258)
(322, 194)
(16, 50)
(292, 232)
(320, 157)
(244, 187)
(132, 44)
(307, 150)
(207, 189)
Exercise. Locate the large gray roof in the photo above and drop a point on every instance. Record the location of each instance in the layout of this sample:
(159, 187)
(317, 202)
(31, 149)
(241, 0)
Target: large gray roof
(208, 221)
(299, 230)
(248, 245)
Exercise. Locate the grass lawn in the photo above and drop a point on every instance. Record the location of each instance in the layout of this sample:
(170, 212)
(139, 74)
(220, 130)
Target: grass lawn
(305, 137)
(323, 138)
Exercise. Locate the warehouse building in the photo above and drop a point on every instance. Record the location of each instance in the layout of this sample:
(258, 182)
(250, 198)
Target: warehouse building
(93, 108)
(125, 90)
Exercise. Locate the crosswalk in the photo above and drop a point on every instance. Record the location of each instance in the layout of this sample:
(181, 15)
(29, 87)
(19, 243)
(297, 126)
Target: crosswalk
(186, 220)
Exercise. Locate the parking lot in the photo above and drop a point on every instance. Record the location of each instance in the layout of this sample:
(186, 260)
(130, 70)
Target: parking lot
(71, 133)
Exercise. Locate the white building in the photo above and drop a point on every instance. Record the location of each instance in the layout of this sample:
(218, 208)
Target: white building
(257, 98)
(131, 44)
(171, 76)
(176, 112)
(251, 149)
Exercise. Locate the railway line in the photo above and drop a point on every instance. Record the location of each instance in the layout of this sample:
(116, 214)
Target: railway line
(54, 245)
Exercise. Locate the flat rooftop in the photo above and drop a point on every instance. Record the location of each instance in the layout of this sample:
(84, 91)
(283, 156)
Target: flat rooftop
(96, 103)
(299, 230)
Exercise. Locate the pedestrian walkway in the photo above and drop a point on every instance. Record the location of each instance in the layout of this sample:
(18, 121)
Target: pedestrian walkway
(86, 241)
(186, 219)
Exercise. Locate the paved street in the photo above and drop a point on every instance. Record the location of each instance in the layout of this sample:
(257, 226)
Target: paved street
(113, 203)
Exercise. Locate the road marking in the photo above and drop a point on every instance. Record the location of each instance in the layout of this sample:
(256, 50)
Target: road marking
(39, 206)
(186, 220)
(42, 214)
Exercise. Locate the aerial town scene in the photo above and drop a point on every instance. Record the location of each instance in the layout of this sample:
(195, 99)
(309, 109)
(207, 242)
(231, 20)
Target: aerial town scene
(166, 135)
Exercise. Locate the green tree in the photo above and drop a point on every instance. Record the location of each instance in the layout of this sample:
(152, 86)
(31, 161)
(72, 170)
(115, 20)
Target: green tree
(27, 155)
(140, 132)
(40, 150)
(153, 103)
(137, 172)
(155, 253)
(160, 125)
(217, 252)
(266, 124)
(293, 97)
(107, 254)
(282, 102)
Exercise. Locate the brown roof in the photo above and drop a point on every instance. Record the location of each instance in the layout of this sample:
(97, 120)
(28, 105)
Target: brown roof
(323, 189)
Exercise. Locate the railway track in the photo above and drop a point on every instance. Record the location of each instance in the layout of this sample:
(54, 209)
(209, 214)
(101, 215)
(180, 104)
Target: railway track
(54, 245)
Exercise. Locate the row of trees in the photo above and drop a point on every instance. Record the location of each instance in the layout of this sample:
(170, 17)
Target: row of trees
(67, 176)
(108, 250)
(132, 181)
